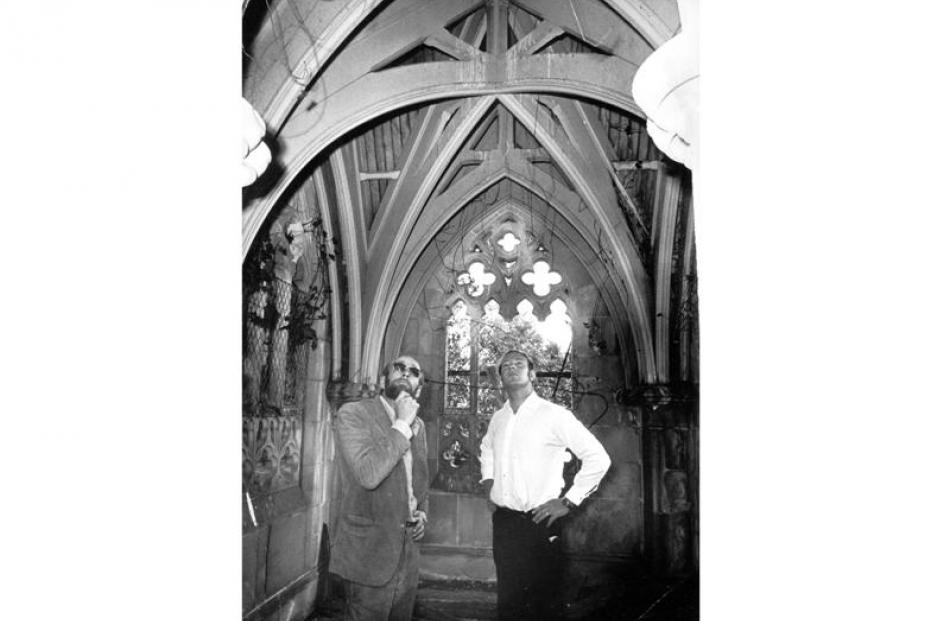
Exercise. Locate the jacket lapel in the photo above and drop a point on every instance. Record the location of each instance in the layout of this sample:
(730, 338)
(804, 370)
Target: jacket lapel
(380, 417)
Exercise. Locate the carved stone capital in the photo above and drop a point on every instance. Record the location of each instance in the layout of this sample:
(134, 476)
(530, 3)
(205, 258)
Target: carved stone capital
(340, 392)
(650, 395)
(655, 396)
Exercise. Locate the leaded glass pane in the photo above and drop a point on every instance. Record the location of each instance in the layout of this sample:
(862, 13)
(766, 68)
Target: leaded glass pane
(458, 393)
(458, 339)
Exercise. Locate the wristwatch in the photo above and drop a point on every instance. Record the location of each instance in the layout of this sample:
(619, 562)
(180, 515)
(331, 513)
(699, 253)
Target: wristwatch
(568, 503)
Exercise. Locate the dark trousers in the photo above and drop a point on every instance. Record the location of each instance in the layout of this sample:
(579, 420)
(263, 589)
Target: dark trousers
(528, 565)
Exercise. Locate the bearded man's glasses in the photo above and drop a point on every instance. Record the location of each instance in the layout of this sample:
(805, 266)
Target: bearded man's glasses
(402, 368)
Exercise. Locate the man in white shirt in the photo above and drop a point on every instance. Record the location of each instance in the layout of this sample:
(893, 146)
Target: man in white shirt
(381, 488)
(522, 460)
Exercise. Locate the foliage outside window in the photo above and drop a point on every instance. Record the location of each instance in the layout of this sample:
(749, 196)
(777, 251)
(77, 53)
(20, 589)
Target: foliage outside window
(474, 347)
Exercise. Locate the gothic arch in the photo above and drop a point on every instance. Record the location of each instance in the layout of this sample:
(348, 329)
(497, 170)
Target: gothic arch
(429, 264)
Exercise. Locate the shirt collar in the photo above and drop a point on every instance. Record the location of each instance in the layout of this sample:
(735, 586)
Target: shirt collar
(530, 402)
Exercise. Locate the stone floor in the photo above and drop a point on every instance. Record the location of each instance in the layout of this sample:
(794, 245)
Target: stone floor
(643, 600)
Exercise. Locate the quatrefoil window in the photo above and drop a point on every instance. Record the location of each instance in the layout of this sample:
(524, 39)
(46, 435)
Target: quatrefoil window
(475, 279)
(508, 242)
(541, 278)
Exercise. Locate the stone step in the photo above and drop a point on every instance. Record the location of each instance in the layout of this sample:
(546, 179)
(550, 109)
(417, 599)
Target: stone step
(455, 602)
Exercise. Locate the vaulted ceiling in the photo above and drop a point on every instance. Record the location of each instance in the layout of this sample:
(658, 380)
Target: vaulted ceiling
(401, 113)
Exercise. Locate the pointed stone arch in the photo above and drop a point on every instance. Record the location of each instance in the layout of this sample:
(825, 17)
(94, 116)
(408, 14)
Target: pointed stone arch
(430, 265)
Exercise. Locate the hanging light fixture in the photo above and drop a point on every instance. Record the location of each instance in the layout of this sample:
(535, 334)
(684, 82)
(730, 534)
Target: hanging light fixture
(666, 87)
(256, 154)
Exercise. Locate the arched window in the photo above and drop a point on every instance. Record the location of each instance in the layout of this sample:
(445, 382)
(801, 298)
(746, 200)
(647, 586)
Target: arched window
(506, 279)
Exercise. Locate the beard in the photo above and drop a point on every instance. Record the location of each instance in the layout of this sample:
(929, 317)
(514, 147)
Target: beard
(397, 386)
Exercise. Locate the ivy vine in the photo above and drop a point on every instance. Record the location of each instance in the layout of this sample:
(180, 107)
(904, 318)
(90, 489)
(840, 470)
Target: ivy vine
(312, 304)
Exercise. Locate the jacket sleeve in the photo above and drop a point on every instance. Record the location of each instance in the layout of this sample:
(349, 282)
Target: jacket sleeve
(369, 455)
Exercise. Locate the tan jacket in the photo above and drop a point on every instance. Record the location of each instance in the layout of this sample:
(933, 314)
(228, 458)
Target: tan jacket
(368, 525)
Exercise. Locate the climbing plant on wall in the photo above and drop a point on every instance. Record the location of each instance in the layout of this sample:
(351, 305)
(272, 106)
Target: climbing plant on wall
(286, 291)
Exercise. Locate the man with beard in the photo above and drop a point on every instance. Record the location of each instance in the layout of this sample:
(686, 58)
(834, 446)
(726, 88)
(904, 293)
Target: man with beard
(381, 489)
(522, 459)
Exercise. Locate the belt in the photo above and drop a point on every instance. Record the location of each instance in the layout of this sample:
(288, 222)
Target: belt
(526, 514)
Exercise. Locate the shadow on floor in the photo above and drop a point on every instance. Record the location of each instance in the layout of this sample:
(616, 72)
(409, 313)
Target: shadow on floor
(642, 599)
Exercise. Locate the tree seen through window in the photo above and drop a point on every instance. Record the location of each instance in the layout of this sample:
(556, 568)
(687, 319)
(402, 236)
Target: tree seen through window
(475, 345)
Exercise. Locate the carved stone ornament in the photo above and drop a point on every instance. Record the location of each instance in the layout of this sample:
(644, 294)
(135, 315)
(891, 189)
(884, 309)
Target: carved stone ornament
(271, 453)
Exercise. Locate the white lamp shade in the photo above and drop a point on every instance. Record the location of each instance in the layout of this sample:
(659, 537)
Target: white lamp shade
(666, 87)
(256, 154)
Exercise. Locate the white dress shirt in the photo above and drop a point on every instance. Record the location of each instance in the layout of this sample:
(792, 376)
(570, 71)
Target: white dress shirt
(524, 453)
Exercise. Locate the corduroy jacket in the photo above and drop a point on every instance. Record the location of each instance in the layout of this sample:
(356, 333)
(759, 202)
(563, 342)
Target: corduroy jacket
(368, 524)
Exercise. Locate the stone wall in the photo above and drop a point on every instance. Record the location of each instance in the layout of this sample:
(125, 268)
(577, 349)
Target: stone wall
(283, 528)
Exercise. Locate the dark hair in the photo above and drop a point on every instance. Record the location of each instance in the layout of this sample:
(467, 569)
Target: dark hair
(516, 351)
